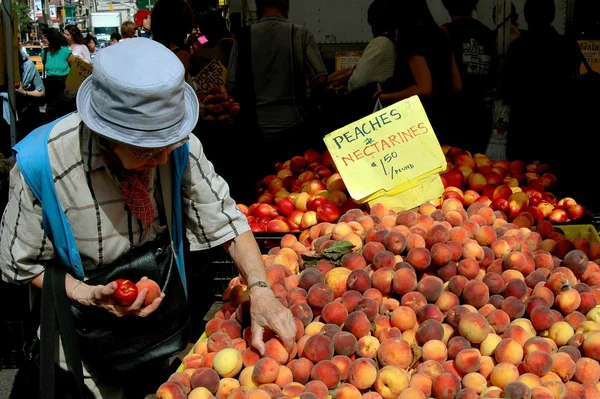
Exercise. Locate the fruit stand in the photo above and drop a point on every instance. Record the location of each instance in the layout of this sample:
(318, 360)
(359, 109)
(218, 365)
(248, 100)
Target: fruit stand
(489, 290)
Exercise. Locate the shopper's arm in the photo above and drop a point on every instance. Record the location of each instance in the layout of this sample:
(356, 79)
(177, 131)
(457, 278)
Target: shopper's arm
(423, 84)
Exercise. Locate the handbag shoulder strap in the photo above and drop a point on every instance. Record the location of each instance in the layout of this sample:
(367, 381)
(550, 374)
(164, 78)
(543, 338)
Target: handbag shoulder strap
(34, 164)
(180, 159)
(44, 58)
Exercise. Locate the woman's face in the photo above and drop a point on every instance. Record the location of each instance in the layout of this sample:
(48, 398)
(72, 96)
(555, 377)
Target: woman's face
(91, 46)
(146, 23)
(68, 36)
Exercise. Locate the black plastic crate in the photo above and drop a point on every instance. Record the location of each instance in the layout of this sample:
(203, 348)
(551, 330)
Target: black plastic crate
(221, 267)
(14, 339)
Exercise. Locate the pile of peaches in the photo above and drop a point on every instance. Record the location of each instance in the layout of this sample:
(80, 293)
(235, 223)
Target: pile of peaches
(449, 302)
(471, 178)
(291, 197)
(218, 105)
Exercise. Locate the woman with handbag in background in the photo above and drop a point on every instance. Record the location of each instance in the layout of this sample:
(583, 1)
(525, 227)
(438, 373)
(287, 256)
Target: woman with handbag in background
(107, 193)
(30, 94)
(76, 43)
(57, 59)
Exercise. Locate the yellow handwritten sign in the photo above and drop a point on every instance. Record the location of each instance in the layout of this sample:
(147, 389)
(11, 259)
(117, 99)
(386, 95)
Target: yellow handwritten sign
(591, 51)
(427, 189)
(213, 75)
(387, 152)
(80, 70)
(347, 59)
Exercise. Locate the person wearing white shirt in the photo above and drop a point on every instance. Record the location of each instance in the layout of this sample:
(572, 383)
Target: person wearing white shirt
(77, 43)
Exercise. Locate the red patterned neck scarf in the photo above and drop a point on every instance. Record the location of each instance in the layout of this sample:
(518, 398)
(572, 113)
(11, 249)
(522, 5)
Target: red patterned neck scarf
(134, 186)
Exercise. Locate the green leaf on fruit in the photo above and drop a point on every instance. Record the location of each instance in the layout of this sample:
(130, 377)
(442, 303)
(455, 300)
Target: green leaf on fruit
(337, 250)
(416, 355)
(311, 259)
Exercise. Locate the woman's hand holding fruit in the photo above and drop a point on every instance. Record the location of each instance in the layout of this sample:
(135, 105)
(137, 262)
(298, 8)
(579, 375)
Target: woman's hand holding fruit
(121, 297)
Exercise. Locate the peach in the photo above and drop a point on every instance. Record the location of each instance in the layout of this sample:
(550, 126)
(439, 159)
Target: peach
(318, 388)
(334, 313)
(347, 391)
(265, 371)
(330, 330)
(362, 373)
(343, 363)
(487, 365)
(327, 372)
(246, 379)
(345, 343)
(509, 351)
(337, 279)
(357, 324)
(414, 300)
(318, 347)
(561, 331)
(205, 377)
(391, 381)
(587, 371)
(197, 393)
(227, 362)
(367, 347)
(412, 393)
(457, 344)
(359, 280)
(395, 242)
(458, 234)
(422, 382)
(404, 281)
(319, 295)
(431, 287)
(503, 373)
(448, 271)
(350, 299)
(475, 293)
(437, 234)
(513, 307)
(275, 349)
(218, 341)
(517, 390)
(301, 369)
(226, 386)
(474, 381)
(302, 312)
(429, 330)
(285, 377)
(557, 388)
(250, 356)
(474, 327)
(472, 250)
(309, 277)
(373, 293)
(515, 287)
(542, 317)
(563, 366)
(273, 390)
(499, 320)
(403, 318)
(414, 241)
(323, 266)
(395, 352)
(382, 280)
(292, 390)
(567, 301)
(389, 333)
(489, 344)
(494, 281)
(446, 301)
(434, 350)
(419, 258)
(441, 254)
(467, 361)
(446, 385)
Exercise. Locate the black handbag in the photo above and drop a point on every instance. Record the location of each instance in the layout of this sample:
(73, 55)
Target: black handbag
(119, 349)
(118, 346)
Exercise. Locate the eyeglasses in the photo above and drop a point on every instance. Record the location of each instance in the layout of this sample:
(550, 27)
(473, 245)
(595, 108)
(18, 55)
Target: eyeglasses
(146, 154)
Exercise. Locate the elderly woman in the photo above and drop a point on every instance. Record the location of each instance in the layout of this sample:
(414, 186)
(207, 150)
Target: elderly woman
(107, 162)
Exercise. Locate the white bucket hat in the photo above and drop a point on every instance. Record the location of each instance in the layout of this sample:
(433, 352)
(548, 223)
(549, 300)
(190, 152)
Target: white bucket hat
(137, 95)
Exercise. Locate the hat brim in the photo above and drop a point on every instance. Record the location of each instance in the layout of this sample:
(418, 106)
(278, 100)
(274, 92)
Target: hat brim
(134, 137)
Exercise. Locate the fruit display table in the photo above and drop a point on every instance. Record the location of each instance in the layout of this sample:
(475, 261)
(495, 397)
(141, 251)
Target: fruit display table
(442, 301)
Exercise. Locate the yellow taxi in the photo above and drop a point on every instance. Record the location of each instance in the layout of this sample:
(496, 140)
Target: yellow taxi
(35, 55)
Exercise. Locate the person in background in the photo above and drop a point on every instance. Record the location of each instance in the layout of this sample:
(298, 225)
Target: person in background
(57, 59)
(29, 92)
(115, 38)
(76, 43)
(425, 66)
(219, 41)
(271, 64)
(128, 30)
(92, 45)
(142, 20)
(538, 73)
(473, 45)
(379, 58)
(172, 22)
